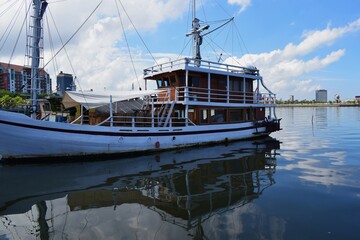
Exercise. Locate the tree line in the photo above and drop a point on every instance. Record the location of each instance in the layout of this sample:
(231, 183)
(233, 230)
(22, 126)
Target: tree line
(11, 100)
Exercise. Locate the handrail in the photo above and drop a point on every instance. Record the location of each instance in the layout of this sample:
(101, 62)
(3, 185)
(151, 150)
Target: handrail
(136, 121)
(219, 95)
(191, 62)
(77, 119)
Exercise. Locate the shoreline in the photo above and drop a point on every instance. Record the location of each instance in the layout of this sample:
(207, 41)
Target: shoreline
(319, 105)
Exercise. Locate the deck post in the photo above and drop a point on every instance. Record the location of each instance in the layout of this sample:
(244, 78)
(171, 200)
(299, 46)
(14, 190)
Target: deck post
(227, 89)
(244, 91)
(258, 91)
(82, 114)
(152, 112)
(209, 87)
(187, 98)
(111, 112)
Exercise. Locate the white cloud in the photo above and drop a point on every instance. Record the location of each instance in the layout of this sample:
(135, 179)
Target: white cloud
(99, 62)
(284, 69)
(95, 54)
(243, 3)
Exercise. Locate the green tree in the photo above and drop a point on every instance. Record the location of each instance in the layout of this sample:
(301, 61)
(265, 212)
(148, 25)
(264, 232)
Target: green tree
(8, 101)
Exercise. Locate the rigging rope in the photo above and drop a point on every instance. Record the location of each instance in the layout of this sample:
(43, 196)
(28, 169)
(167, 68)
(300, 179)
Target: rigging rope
(6, 9)
(66, 53)
(72, 36)
(17, 39)
(127, 44)
(11, 25)
(137, 31)
(186, 41)
(51, 45)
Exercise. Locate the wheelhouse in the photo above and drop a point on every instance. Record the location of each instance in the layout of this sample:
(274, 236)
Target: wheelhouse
(212, 93)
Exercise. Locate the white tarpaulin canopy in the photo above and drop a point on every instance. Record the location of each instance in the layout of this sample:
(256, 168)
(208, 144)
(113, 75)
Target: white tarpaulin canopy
(91, 100)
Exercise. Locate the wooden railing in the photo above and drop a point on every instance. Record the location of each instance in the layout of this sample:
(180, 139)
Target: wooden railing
(223, 96)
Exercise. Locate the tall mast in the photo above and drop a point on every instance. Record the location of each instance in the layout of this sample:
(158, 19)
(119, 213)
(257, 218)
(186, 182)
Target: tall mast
(39, 7)
(197, 38)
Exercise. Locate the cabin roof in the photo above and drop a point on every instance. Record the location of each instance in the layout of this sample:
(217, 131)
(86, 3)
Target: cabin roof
(205, 67)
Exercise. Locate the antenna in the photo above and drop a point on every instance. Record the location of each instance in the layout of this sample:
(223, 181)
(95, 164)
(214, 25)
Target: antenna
(197, 38)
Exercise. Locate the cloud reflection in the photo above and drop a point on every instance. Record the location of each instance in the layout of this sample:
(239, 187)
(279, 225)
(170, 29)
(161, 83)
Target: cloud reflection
(313, 150)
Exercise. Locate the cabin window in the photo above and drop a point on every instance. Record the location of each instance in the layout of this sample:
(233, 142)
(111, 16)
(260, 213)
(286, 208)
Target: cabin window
(203, 116)
(249, 114)
(173, 80)
(182, 80)
(248, 85)
(180, 113)
(235, 85)
(159, 83)
(218, 115)
(222, 84)
(236, 115)
(194, 82)
(166, 82)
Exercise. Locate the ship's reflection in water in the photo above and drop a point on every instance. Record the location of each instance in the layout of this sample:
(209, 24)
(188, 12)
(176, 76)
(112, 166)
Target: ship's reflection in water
(195, 193)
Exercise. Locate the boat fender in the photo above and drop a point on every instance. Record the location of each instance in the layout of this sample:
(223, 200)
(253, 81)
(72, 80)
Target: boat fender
(173, 138)
(157, 144)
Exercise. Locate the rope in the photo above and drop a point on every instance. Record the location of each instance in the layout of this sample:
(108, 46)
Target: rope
(72, 36)
(66, 53)
(137, 32)
(11, 26)
(51, 45)
(127, 44)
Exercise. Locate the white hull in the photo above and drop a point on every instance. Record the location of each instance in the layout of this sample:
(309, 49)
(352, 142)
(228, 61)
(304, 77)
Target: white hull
(23, 137)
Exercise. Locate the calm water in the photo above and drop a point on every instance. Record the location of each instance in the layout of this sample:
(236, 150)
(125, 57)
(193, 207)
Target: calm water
(306, 187)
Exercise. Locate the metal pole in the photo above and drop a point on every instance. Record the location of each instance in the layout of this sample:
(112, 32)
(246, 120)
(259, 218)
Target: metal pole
(39, 7)
(111, 112)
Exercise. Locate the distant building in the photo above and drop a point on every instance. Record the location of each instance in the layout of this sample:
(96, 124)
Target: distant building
(321, 95)
(64, 82)
(292, 98)
(16, 79)
(357, 98)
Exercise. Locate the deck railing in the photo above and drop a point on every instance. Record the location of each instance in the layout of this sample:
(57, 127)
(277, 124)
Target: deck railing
(143, 121)
(223, 96)
(190, 62)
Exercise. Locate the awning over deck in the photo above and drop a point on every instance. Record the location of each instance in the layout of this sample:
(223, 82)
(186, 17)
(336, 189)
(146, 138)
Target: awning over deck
(91, 100)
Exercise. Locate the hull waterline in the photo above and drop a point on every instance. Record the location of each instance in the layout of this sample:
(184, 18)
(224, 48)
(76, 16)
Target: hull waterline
(21, 136)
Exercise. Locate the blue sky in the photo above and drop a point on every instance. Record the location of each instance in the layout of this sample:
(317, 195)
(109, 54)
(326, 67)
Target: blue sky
(299, 46)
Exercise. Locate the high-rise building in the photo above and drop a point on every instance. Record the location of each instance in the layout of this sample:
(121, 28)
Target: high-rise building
(64, 82)
(16, 78)
(321, 95)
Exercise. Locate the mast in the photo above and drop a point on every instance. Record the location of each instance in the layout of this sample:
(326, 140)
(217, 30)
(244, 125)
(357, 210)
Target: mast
(39, 7)
(197, 38)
